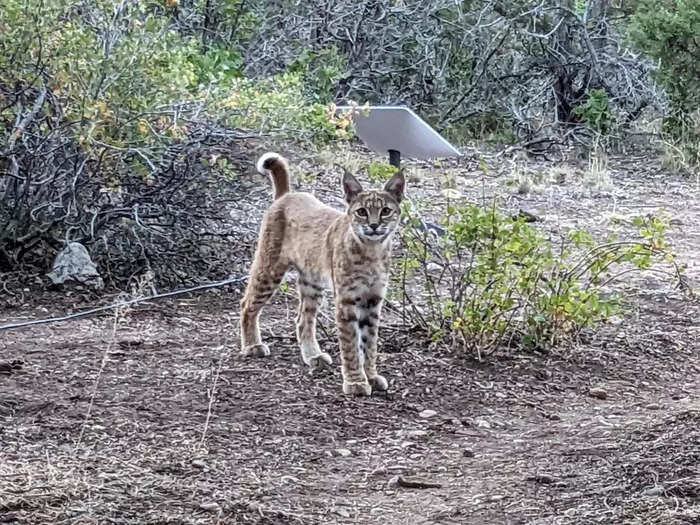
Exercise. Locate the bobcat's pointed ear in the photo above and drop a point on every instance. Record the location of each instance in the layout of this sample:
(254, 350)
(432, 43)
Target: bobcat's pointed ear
(395, 186)
(351, 186)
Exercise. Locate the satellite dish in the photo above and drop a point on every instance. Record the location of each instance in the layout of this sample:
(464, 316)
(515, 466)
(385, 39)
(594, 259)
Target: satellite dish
(397, 131)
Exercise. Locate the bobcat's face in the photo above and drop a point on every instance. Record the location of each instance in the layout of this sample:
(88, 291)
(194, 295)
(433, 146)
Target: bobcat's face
(374, 214)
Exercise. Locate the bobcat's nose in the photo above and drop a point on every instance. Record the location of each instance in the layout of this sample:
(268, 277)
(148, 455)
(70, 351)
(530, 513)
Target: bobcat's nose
(374, 226)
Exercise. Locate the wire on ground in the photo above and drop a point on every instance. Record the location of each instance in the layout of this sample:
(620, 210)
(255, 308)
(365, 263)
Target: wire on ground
(77, 315)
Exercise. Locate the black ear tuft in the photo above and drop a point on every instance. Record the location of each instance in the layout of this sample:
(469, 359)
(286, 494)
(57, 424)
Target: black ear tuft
(395, 186)
(351, 186)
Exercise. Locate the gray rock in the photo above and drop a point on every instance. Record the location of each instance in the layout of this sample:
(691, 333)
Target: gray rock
(210, 506)
(73, 263)
(598, 393)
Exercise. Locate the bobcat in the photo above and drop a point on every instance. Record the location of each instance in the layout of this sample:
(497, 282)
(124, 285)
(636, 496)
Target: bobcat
(348, 252)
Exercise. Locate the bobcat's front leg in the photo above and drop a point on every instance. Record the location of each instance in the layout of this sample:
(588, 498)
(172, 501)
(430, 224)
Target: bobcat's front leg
(351, 357)
(368, 323)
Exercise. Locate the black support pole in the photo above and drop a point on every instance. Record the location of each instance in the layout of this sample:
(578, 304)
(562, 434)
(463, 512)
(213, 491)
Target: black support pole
(395, 158)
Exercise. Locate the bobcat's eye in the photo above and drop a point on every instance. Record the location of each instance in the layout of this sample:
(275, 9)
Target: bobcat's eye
(361, 212)
(386, 212)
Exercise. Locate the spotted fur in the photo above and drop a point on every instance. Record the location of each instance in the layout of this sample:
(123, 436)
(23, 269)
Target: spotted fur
(347, 251)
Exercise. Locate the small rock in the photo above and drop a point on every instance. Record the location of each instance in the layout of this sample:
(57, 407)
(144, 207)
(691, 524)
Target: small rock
(482, 423)
(527, 216)
(341, 512)
(199, 463)
(598, 393)
(545, 479)
(468, 453)
(451, 193)
(73, 263)
(653, 406)
(425, 414)
(343, 452)
(654, 491)
(433, 267)
(552, 416)
(210, 506)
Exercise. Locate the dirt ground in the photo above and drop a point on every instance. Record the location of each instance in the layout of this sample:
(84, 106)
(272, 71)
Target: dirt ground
(151, 417)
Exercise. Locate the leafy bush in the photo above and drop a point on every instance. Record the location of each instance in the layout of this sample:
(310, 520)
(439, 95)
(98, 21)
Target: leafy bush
(503, 71)
(320, 70)
(492, 280)
(121, 130)
(379, 172)
(668, 31)
(595, 111)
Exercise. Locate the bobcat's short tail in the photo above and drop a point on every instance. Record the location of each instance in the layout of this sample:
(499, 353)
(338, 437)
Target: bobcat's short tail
(275, 166)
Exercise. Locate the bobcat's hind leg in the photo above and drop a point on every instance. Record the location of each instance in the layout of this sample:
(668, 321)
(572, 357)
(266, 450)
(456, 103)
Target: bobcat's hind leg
(310, 295)
(262, 283)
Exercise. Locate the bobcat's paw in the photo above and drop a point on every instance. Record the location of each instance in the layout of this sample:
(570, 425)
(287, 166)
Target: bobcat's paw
(357, 389)
(261, 350)
(319, 361)
(379, 383)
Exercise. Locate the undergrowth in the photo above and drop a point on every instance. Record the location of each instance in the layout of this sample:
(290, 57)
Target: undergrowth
(491, 280)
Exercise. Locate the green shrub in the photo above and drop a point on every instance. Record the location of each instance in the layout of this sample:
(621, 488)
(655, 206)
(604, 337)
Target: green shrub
(379, 172)
(493, 280)
(595, 111)
(130, 118)
(668, 31)
(320, 71)
(490, 126)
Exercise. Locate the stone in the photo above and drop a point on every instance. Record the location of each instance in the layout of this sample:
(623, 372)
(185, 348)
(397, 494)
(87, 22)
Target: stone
(425, 414)
(73, 263)
(199, 463)
(433, 267)
(598, 393)
(210, 506)
(451, 193)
